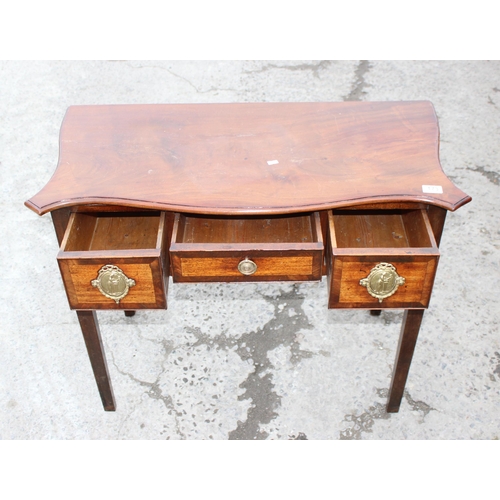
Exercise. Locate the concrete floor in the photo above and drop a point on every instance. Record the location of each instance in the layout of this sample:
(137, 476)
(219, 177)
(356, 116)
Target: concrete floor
(250, 361)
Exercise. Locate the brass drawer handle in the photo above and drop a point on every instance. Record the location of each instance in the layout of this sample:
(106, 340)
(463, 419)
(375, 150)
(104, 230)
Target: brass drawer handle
(247, 267)
(383, 281)
(112, 282)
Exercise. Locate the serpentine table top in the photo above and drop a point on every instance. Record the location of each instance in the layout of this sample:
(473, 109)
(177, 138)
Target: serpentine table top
(249, 158)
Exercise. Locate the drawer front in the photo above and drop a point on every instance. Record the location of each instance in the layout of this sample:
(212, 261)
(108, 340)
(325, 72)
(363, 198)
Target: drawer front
(202, 266)
(124, 283)
(394, 281)
(282, 248)
(380, 259)
(115, 260)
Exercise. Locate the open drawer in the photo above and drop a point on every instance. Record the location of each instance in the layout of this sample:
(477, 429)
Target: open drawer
(115, 260)
(284, 248)
(380, 259)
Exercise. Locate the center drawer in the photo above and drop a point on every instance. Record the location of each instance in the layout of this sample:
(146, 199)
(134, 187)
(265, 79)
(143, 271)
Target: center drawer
(284, 248)
(380, 259)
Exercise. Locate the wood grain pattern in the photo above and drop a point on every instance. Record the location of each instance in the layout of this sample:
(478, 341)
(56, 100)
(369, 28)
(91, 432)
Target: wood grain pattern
(82, 295)
(283, 248)
(437, 217)
(113, 231)
(358, 241)
(93, 342)
(370, 230)
(287, 266)
(418, 273)
(95, 240)
(266, 266)
(291, 229)
(213, 158)
(60, 220)
(410, 328)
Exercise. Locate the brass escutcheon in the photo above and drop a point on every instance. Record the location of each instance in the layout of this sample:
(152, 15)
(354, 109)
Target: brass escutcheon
(112, 282)
(247, 267)
(383, 281)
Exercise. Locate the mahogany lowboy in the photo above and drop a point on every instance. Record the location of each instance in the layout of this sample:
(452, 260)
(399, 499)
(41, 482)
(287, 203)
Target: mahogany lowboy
(249, 192)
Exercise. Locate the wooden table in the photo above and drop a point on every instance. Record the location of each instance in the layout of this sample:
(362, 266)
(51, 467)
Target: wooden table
(249, 192)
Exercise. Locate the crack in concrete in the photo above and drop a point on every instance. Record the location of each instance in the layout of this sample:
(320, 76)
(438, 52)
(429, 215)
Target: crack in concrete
(495, 360)
(491, 175)
(497, 369)
(418, 405)
(168, 70)
(281, 330)
(297, 437)
(358, 87)
(154, 391)
(315, 68)
(365, 421)
(380, 345)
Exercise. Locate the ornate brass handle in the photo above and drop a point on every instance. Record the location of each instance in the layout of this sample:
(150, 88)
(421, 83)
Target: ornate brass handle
(383, 281)
(112, 282)
(247, 267)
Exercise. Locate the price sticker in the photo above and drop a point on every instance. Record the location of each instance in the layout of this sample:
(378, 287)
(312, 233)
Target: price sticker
(432, 189)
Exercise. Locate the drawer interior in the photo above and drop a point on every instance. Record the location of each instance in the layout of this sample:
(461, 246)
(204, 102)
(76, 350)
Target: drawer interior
(230, 230)
(113, 231)
(382, 229)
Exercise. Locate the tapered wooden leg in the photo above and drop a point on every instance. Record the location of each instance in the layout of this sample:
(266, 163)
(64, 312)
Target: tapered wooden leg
(407, 341)
(93, 342)
(375, 312)
(129, 314)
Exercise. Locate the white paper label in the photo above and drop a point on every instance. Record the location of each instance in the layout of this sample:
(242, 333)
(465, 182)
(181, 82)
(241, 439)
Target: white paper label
(432, 189)
(272, 162)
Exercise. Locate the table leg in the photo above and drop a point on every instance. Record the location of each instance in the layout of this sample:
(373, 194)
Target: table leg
(407, 341)
(93, 342)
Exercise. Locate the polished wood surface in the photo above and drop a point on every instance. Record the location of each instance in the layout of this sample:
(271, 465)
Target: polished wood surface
(437, 218)
(410, 328)
(135, 242)
(60, 220)
(271, 266)
(359, 240)
(248, 158)
(93, 343)
(283, 248)
(301, 189)
(346, 292)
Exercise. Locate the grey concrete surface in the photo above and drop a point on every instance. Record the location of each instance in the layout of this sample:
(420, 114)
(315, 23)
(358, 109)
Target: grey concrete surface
(254, 361)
